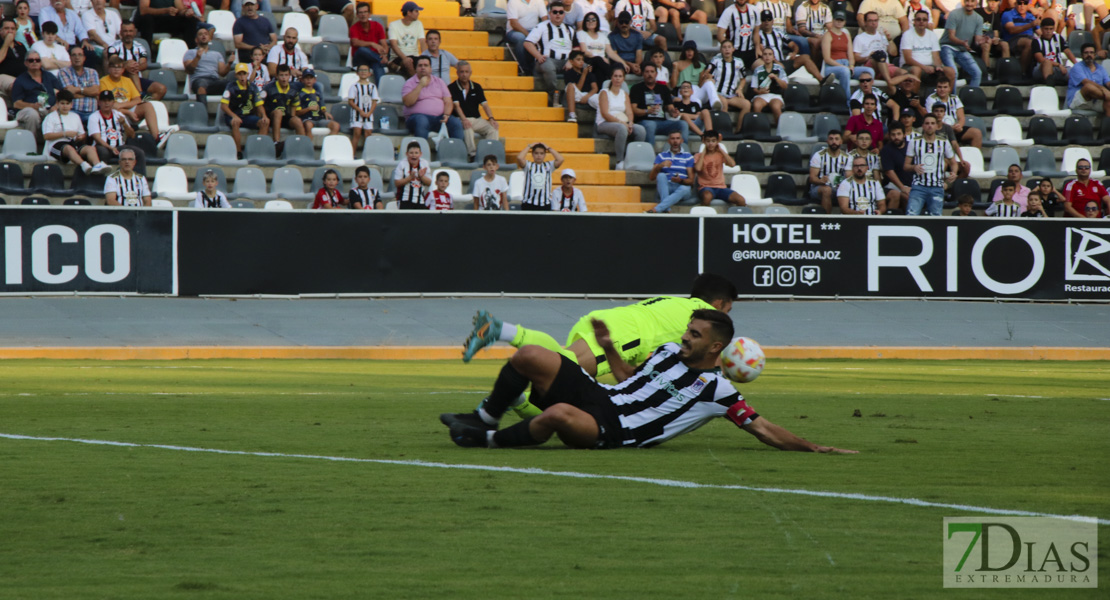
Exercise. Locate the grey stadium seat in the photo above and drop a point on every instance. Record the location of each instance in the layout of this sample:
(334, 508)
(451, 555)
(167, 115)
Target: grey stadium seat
(259, 150)
(452, 153)
(496, 148)
(378, 150)
(639, 156)
(326, 57)
(221, 178)
(181, 149)
(289, 184)
(250, 183)
(168, 79)
(193, 116)
(299, 150)
(390, 88)
(220, 149)
(396, 123)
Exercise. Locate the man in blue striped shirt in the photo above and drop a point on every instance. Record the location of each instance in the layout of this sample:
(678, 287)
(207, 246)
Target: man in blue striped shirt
(673, 174)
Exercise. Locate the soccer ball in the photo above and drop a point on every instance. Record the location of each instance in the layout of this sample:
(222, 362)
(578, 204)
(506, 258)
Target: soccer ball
(742, 360)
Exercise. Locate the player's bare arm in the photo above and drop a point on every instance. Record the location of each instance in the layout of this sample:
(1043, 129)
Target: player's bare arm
(621, 370)
(779, 437)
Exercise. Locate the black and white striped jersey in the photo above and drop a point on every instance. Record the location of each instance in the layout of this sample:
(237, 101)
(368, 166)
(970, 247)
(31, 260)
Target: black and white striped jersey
(776, 41)
(129, 191)
(740, 27)
(664, 399)
(933, 155)
(134, 53)
(1053, 49)
(856, 101)
(1001, 209)
(862, 196)
(829, 165)
(414, 191)
(874, 162)
(951, 105)
(727, 74)
(537, 183)
(780, 10)
(552, 41)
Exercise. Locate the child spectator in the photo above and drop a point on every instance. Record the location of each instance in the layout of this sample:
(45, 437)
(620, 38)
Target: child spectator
(695, 115)
(491, 191)
(313, 112)
(108, 128)
(964, 206)
(1036, 210)
(1050, 198)
(259, 72)
(710, 167)
(242, 106)
(566, 198)
(210, 196)
(281, 105)
(65, 137)
(439, 199)
(1007, 207)
(329, 197)
(581, 83)
(537, 175)
(362, 196)
(662, 75)
(410, 178)
(363, 98)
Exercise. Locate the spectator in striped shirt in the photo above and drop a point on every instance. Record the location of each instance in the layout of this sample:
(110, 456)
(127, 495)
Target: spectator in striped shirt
(126, 187)
(674, 392)
(859, 194)
(1007, 207)
(933, 163)
(537, 175)
(673, 175)
(1050, 51)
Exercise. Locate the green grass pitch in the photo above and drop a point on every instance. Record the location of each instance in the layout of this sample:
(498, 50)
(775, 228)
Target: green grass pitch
(95, 521)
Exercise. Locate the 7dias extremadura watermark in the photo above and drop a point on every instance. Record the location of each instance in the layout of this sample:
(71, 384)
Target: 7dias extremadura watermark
(1020, 552)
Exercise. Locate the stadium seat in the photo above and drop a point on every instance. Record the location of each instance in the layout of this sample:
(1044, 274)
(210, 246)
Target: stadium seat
(144, 141)
(259, 150)
(792, 127)
(832, 99)
(1007, 130)
(787, 156)
(168, 79)
(333, 29)
(389, 88)
(75, 201)
(193, 116)
(36, 200)
(223, 21)
(776, 210)
(377, 183)
(171, 54)
(1044, 100)
(960, 187)
(516, 186)
(1009, 72)
(757, 126)
(337, 150)
(1077, 38)
(326, 57)
(796, 98)
(181, 149)
(490, 8)
(250, 183)
(378, 150)
(277, 205)
(91, 184)
(1008, 101)
(341, 112)
(396, 123)
(704, 211)
(700, 35)
(11, 179)
(974, 157)
(303, 25)
(975, 102)
(723, 124)
(748, 186)
(823, 123)
(454, 185)
(20, 144)
(288, 183)
(1001, 159)
(813, 209)
(1103, 160)
(981, 125)
(452, 153)
(298, 150)
(221, 178)
(639, 156)
(48, 178)
(425, 149)
(1078, 131)
(220, 149)
(345, 83)
(1042, 163)
(749, 156)
(329, 94)
(782, 189)
(669, 33)
(740, 210)
(160, 203)
(1042, 130)
(241, 203)
(170, 182)
(1074, 155)
(152, 62)
(5, 122)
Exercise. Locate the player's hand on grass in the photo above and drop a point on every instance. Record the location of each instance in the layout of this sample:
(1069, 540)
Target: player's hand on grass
(832, 450)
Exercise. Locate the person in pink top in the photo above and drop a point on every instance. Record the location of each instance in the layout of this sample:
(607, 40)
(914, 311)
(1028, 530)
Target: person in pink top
(428, 104)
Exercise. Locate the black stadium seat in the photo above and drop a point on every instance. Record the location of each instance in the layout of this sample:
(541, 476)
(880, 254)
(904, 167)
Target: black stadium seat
(48, 178)
(1042, 130)
(757, 126)
(832, 99)
(11, 178)
(787, 156)
(782, 189)
(961, 187)
(1009, 72)
(1078, 131)
(796, 98)
(1009, 101)
(750, 157)
(975, 102)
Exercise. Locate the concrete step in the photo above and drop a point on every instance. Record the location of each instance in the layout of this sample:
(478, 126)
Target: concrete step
(455, 23)
(623, 208)
(455, 39)
(434, 8)
(601, 178)
(500, 98)
(612, 193)
(479, 52)
(492, 68)
(516, 144)
(510, 82)
(586, 162)
(548, 131)
(525, 113)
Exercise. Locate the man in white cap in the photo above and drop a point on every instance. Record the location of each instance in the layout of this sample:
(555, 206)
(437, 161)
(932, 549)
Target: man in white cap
(567, 198)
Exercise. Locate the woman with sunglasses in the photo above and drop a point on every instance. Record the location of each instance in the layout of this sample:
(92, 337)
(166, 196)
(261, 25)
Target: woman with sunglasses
(595, 46)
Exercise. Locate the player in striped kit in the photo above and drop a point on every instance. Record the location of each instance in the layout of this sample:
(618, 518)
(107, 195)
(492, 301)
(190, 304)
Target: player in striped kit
(1051, 52)
(933, 163)
(674, 392)
(860, 194)
(740, 23)
(363, 98)
(537, 175)
(126, 187)
(728, 77)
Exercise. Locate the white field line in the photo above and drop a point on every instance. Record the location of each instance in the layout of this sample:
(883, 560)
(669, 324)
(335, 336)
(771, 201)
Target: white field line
(576, 475)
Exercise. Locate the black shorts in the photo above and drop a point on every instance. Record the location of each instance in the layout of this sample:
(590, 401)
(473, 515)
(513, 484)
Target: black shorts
(56, 151)
(402, 205)
(574, 387)
(748, 56)
(526, 207)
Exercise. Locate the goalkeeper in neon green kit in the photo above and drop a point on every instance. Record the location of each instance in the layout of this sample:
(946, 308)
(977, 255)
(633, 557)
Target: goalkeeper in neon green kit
(636, 330)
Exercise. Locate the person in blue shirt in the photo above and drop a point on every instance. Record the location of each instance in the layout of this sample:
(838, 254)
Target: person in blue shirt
(1019, 27)
(1088, 83)
(673, 174)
